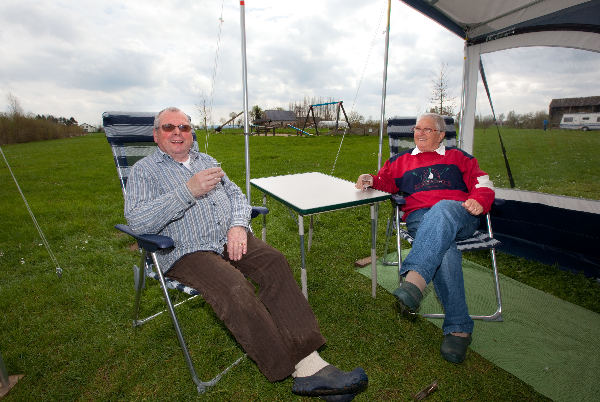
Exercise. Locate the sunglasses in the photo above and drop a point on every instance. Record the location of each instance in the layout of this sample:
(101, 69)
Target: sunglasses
(184, 128)
(423, 130)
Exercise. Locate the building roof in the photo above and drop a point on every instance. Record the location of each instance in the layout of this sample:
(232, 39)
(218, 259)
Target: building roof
(565, 102)
(276, 116)
(279, 115)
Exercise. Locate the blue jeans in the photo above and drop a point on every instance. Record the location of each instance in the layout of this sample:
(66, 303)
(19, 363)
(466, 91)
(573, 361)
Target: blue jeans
(435, 257)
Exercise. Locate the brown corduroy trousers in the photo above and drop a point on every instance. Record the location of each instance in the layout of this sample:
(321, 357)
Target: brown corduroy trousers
(273, 322)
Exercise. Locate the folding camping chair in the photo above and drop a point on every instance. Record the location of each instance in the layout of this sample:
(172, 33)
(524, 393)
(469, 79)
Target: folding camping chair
(130, 137)
(400, 136)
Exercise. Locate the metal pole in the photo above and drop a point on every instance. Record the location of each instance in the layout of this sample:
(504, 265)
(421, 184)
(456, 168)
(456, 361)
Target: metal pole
(245, 90)
(383, 90)
(375, 208)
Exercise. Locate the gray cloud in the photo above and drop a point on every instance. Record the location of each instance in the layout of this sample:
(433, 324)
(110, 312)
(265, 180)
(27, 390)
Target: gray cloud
(82, 58)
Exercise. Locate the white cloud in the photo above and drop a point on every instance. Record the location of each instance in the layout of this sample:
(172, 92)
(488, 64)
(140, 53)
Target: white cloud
(81, 58)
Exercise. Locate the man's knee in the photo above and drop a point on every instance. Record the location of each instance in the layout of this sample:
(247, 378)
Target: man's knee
(447, 205)
(275, 260)
(448, 210)
(269, 255)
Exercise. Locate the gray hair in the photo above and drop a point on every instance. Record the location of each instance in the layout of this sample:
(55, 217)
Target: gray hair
(437, 119)
(168, 109)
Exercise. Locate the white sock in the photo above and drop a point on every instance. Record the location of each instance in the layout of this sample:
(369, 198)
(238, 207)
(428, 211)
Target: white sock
(309, 365)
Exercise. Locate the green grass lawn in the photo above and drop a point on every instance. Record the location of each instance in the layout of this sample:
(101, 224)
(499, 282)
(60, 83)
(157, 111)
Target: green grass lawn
(72, 336)
(562, 162)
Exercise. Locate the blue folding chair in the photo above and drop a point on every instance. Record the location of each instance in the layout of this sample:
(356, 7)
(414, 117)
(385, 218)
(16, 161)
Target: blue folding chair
(401, 137)
(130, 138)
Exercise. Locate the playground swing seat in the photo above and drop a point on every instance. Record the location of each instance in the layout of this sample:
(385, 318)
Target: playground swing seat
(400, 136)
(130, 137)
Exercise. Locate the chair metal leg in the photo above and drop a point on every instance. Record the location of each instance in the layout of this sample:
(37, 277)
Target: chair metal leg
(497, 315)
(398, 245)
(200, 385)
(139, 278)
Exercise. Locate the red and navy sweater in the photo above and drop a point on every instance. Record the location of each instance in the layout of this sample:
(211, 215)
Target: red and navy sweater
(428, 177)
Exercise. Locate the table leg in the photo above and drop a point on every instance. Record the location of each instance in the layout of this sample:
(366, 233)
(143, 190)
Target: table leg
(310, 233)
(373, 250)
(264, 220)
(302, 256)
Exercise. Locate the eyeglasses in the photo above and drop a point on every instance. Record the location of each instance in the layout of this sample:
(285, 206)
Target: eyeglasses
(184, 128)
(423, 130)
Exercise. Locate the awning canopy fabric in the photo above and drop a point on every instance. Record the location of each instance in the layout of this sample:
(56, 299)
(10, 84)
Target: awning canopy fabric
(489, 26)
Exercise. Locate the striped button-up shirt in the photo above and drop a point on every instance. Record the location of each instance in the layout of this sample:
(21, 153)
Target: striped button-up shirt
(158, 201)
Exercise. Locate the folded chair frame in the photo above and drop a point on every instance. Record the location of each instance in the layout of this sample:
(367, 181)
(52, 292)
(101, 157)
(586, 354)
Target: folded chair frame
(149, 245)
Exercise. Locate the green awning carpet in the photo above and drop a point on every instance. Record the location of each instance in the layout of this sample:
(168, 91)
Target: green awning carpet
(549, 343)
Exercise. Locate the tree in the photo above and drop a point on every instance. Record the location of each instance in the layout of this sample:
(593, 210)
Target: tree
(443, 103)
(232, 117)
(14, 107)
(512, 119)
(256, 112)
(355, 118)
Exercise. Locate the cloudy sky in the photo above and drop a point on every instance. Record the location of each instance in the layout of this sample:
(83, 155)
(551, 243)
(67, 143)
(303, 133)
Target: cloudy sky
(80, 58)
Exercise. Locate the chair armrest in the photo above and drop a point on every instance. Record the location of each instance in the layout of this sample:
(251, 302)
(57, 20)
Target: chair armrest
(258, 211)
(154, 242)
(398, 199)
(149, 242)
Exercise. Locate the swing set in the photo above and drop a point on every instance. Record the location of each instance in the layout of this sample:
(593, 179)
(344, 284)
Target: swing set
(311, 111)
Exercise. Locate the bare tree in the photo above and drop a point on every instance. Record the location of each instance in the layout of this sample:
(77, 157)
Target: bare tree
(232, 117)
(14, 107)
(204, 113)
(355, 118)
(442, 102)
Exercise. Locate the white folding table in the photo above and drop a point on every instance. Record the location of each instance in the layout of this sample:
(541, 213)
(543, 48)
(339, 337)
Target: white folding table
(313, 193)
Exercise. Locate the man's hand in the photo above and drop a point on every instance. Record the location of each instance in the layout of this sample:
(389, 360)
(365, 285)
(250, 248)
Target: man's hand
(473, 207)
(204, 181)
(364, 181)
(237, 240)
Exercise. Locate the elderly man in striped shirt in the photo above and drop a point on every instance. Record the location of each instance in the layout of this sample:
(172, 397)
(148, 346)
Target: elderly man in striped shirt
(184, 194)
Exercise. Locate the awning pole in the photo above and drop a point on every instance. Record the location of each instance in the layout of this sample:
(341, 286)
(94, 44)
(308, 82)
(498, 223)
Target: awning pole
(245, 90)
(375, 208)
(384, 86)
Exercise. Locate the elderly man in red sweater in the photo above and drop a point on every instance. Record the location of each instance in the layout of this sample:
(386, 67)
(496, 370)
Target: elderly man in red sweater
(445, 193)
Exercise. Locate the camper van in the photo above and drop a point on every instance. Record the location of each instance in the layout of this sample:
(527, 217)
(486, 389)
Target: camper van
(581, 121)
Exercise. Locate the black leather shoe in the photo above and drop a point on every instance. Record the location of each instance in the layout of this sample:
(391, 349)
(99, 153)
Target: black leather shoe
(454, 348)
(408, 298)
(331, 381)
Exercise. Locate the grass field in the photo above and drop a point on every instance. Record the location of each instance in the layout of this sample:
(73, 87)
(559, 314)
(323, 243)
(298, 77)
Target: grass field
(72, 337)
(556, 161)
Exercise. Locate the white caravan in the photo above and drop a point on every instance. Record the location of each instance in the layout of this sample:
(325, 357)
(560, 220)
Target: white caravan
(581, 121)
